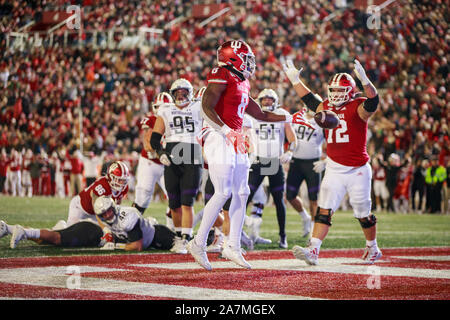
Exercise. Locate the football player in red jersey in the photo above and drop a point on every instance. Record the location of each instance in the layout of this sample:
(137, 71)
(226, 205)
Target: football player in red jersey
(113, 184)
(347, 165)
(150, 170)
(224, 103)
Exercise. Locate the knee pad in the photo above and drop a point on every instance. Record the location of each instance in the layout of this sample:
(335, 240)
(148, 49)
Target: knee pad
(368, 222)
(323, 218)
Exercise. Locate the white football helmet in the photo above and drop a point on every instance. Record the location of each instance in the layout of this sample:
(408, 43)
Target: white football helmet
(161, 98)
(182, 84)
(105, 209)
(268, 93)
(118, 175)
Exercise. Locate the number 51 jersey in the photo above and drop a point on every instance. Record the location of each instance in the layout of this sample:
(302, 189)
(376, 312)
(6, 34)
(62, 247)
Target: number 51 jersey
(234, 100)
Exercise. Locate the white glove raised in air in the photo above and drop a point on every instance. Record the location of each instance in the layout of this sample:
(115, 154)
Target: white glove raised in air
(319, 165)
(286, 157)
(291, 71)
(361, 73)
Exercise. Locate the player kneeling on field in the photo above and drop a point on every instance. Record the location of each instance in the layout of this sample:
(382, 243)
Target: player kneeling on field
(120, 228)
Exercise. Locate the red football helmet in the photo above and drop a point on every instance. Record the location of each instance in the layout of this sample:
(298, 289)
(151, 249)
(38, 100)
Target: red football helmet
(341, 89)
(161, 98)
(238, 55)
(118, 175)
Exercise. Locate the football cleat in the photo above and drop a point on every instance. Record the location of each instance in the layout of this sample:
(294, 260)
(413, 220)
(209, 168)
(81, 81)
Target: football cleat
(17, 235)
(199, 254)
(306, 226)
(235, 256)
(261, 240)
(254, 224)
(3, 229)
(282, 243)
(371, 254)
(309, 255)
(246, 241)
(179, 246)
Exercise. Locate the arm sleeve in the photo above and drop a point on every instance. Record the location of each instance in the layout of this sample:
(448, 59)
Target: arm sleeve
(135, 234)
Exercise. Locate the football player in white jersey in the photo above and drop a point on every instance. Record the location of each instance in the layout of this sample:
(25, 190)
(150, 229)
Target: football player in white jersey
(270, 155)
(118, 228)
(304, 167)
(180, 123)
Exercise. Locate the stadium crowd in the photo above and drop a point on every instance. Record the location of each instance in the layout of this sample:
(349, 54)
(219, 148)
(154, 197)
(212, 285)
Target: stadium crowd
(45, 89)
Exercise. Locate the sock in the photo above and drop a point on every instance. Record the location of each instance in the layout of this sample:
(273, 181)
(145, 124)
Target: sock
(316, 243)
(304, 214)
(187, 233)
(9, 229)
(372, 243)
(32, 233)
(257, 209)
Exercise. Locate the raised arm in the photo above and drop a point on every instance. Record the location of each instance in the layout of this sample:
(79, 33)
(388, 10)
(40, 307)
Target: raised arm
(312, 101)
(368, 107)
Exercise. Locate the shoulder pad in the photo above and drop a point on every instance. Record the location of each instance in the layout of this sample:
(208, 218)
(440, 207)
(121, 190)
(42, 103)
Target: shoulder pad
(127, 218)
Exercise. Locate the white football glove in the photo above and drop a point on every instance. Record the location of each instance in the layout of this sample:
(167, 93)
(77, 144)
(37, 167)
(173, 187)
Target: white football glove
(361, 73)
(164, 158)
(286, 157)
(292, 72)
(319, 165)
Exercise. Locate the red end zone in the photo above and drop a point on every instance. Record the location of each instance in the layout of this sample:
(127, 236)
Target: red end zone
(406, 274)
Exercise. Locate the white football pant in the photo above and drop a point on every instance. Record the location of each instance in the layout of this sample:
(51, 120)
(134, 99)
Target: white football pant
(148, 173)
(77, 213)
(228, 171)
(339, 180)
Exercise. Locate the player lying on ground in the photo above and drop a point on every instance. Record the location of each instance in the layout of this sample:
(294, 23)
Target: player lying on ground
(118, 228)
(347, 165)
(114, 184)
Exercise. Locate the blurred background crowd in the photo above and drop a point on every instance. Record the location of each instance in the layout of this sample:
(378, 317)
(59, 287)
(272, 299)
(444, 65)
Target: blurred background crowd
(73, 104)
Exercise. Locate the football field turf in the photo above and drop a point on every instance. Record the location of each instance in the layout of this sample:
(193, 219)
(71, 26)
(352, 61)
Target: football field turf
(415, 263)
(394, 230)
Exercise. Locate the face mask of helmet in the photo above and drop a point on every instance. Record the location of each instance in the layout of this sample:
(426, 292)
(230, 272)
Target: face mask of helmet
(181, 97)
(338, 95)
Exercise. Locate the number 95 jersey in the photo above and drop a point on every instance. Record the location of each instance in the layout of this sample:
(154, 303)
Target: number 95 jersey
(181, 124)
(234, 100)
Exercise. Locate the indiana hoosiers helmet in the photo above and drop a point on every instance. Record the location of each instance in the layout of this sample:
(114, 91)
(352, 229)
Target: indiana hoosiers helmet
(118, 175)
(182, 100)
(199, 94)
(268, 93)
(341, 89)
(105, 209)
(161, 98)
(239, 56)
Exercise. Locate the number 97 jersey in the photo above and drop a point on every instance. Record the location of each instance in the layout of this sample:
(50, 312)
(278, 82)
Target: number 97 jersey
(234, 100)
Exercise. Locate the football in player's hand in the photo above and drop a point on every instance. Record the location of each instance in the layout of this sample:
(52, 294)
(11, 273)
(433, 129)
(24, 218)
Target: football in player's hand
(327, 119)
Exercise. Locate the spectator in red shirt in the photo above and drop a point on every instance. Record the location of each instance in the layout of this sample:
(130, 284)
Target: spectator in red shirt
(76, 173)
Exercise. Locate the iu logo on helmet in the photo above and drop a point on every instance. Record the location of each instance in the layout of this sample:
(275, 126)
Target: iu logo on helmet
(236, 45)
